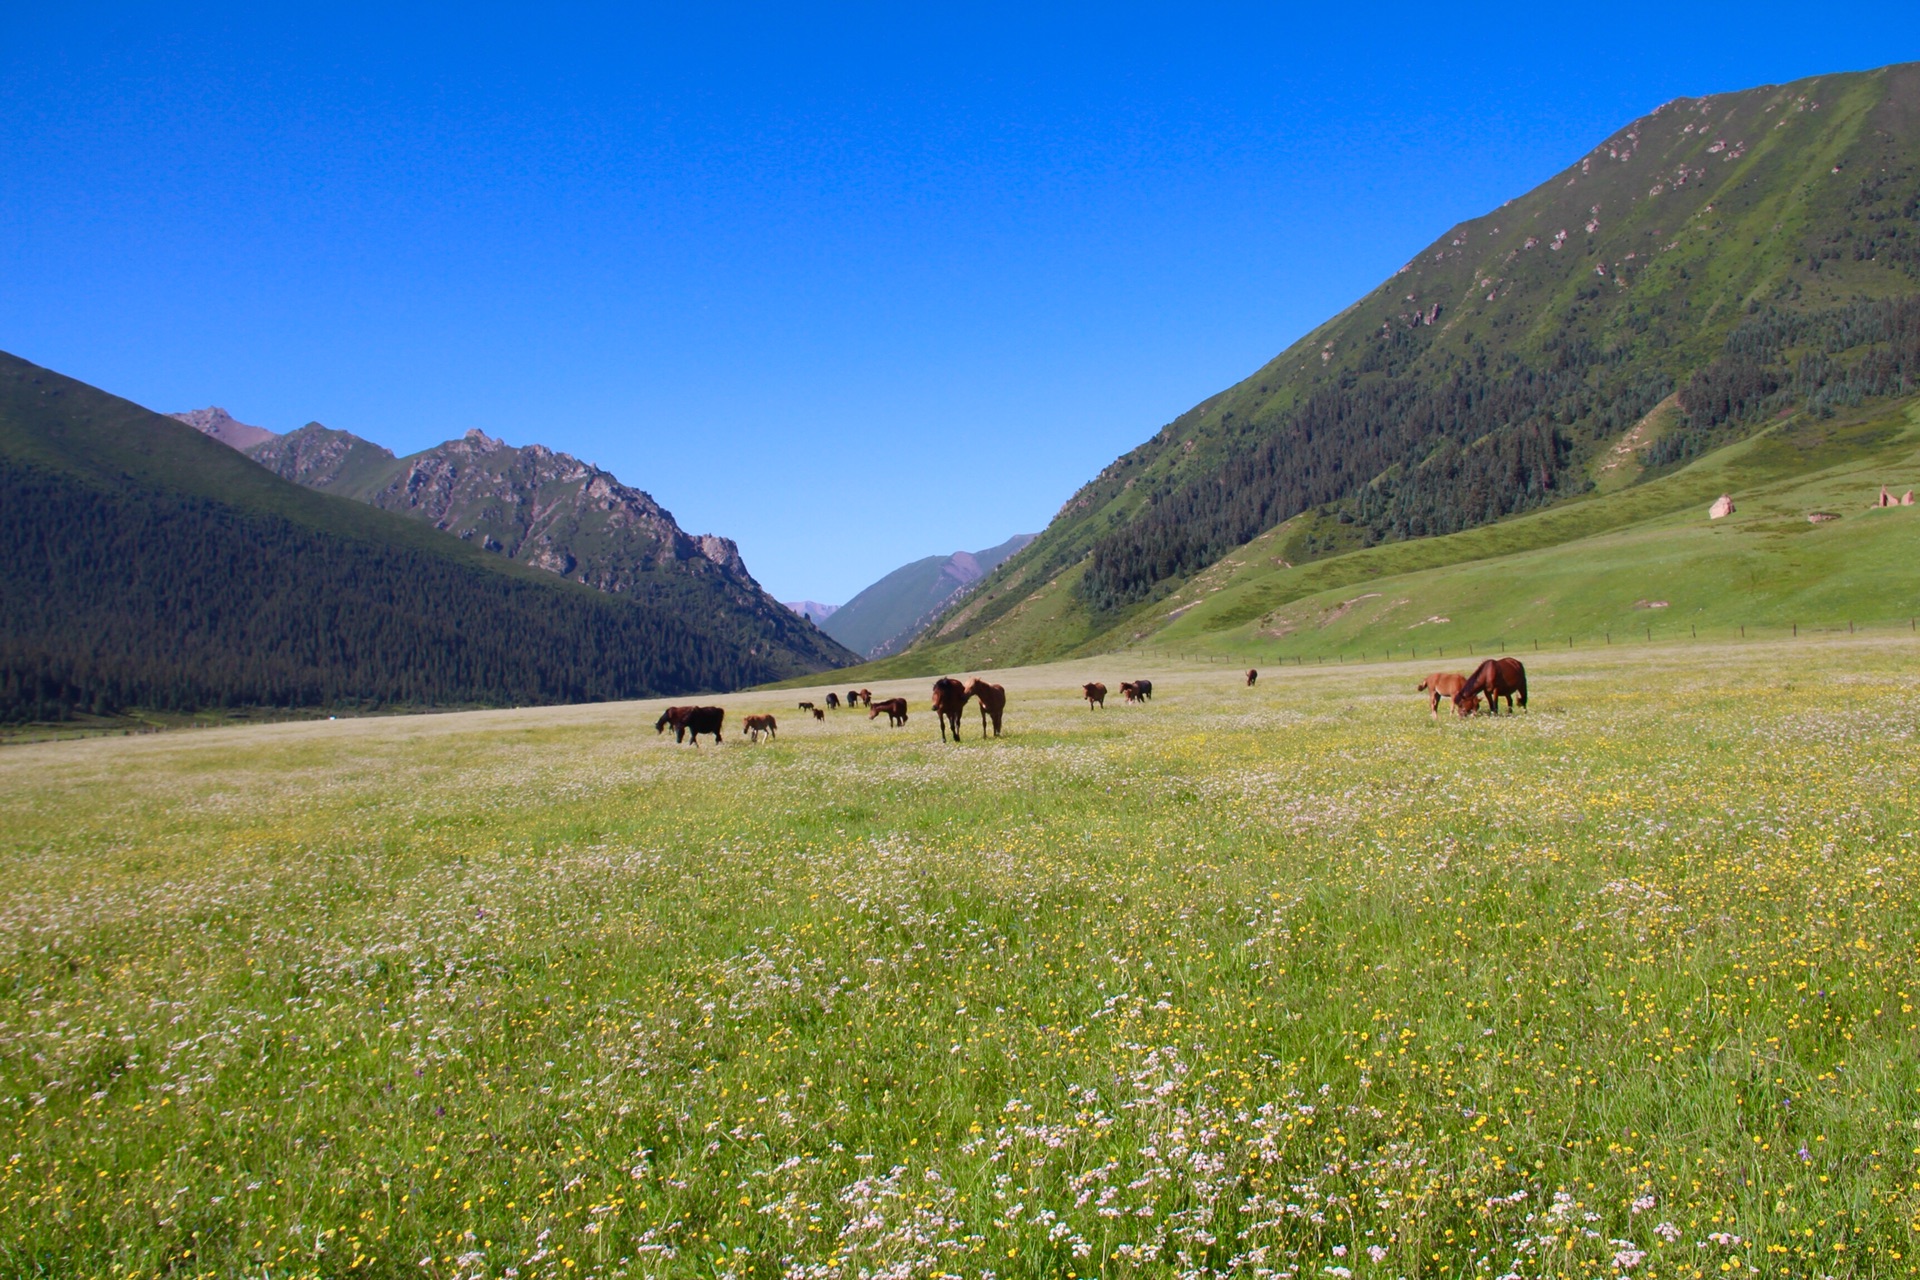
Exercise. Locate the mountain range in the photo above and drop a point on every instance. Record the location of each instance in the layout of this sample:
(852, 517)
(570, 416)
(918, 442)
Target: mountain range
(156, 567)
(1703, 270)
(887, 616)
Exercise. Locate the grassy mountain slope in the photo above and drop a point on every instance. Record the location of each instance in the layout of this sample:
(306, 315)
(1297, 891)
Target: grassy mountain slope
(885, 617)
(153, 566)
(1719, 259)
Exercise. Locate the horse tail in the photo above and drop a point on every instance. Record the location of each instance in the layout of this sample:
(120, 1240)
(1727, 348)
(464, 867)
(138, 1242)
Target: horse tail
(1523, 683)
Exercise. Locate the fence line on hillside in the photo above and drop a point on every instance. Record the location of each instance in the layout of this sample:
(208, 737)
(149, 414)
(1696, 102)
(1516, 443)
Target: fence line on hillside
(1522, 643)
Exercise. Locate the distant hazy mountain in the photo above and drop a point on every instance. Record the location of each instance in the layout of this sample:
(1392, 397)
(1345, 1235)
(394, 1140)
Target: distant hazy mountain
(886, 617)
(222, 426)
(548, 510)
(812, 610)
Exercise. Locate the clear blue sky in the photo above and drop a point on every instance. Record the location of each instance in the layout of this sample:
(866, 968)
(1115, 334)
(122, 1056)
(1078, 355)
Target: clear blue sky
(851, 285)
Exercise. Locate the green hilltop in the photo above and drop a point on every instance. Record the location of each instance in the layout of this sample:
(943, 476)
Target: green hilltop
(1725, 266)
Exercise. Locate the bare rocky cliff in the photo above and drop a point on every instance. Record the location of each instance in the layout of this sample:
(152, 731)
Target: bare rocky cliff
(222, 426)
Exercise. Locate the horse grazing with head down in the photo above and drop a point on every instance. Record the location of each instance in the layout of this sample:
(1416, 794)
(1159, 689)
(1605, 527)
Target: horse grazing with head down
(1441, 684)
(833, 702)
(1493, 679)
(993, 703)
(866, 697)
(1252, 675)
(692, 720)
(757, 725)
(895, 710)
(818, 714)
(1096, 695)
(949, 699)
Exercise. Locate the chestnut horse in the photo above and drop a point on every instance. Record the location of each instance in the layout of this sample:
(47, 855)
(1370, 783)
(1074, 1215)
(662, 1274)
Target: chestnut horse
(993, 702)
(1441, 684)
(1493, 679)
(949, 699)
(895, 709)
(1095, 694)
(866, 697)
(757, 725)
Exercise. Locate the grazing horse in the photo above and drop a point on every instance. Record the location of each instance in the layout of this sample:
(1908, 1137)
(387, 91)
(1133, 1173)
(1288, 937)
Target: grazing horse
(949, 699)
(853, 698)
(806, 706)
(692, 720)
(866, 697)
(1252, 675)
(818, 714)
(895, 709)
(1493, 679)
(993, 702)
(1096, 695)
(1137, 690)
(757, 725)
(1441, 684)
(833, 702)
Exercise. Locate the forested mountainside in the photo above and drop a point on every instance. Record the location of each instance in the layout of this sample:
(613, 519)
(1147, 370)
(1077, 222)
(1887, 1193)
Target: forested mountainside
(1744, 254)
(885, 617)
(545, 509)
(154, 567)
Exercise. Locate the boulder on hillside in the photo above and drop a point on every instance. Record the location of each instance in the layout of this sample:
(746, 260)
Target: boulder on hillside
(1722, 507)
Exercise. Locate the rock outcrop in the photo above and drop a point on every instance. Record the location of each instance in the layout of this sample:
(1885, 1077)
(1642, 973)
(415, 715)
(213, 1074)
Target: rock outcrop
(222, 426)
(542, 508)
(1722, 508)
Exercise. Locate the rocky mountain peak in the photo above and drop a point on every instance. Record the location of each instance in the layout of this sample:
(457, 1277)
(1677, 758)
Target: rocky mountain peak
(224, 427)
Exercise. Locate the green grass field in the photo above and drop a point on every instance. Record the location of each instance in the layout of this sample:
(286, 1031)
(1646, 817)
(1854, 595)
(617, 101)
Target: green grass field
(1290, 981)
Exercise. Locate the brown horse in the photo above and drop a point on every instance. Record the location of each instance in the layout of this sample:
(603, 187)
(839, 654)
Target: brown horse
(1096, 695)
(866, 697)
(895, 709)
(1493, 679)
(833, 702)
(853, 698)
(949, 700)
(1441, 684)
(993, 702)
(1252, 675)
(1137, 690)
(692, 720)
(757, 725)
(818, 714)
(806, 706)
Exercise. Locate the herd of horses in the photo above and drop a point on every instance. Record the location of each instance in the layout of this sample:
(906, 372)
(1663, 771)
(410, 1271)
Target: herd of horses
(1493, 679)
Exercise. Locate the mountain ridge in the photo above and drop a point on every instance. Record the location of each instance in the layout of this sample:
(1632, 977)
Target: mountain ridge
(1484, 377)
(887, 615)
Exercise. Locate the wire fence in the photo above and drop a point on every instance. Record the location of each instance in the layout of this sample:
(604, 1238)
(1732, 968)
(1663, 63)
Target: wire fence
(1282, 655)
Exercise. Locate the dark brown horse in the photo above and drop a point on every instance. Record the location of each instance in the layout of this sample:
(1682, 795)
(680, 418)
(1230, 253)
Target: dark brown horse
(1137, 690)
(692, 720)
(818, 714)
(1252, 675)
(757, 725)
(833, 702)
(1096, 695)
(993, 703)
(949, 699)
(853, 698)
(895, 710)
(1441, 684)
(806, 706)
(1493, 679)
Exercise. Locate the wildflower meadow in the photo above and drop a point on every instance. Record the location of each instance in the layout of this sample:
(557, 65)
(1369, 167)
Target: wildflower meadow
(1289, 981)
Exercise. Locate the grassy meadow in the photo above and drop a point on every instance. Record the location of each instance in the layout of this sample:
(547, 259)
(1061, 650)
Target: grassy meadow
(1289, 981)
